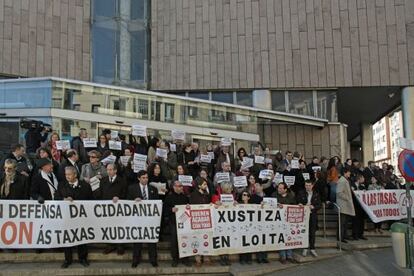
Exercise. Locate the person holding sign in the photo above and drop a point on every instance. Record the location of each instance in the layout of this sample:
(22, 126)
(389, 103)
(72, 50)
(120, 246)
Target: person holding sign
(56, 154)
(311, 198)
(245, 258)
(152, 149)
(174, 198)
(103, 144)
(77, 144)
(13, 186)
(225, 175)
(94, 170)
(73, 189)
(138, 192)
(224, 156)
(285, 197)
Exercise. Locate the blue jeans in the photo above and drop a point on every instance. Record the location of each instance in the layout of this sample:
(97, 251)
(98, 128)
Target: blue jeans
(332, 193)
(286, 253)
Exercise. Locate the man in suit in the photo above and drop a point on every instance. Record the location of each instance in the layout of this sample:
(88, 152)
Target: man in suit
(17, 153)
(72, 160)
(12, 184)
(112, 187)
(358, 221)
(138, 192)
(73, 189)
(345, 203)
(44, 183)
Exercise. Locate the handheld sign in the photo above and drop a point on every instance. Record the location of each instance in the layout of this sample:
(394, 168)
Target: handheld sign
(240, 181)
(316, 168)
(225, 141)
(114, 134)
(94, 182)
(211, 154)
(186, 180)
(226, 199)
(278, 178)
(115, 145)
(222, 177)
(124, 160)
(271, 201)
(266, 174)
(63, 145)
(161, 187)
(205, 158)
(306, 176)
(289, 180)
(173, 147)
(259, 159)
(268, 160)
(140, 162)
(89, 142)
(178, 135)
(294, 164)
(110, 159)
(406, 164)
(162, 153)
(247, 162)
(139, 130)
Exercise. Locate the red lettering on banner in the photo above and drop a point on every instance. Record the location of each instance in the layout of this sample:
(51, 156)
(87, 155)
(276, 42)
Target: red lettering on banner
(200, 219)
(295, 214)
(24, 232)
(13, 228)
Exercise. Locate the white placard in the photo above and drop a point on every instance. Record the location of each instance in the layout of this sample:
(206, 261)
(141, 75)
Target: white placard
(139, 130)
(266, 174)
(94, 183)
(178, 134)
(211, 154)
(294, 164)
(406, 143)
(247, 163)
(89, 142)
(316, 168)
(140, 162)
(222, 177)
(226, 199)
(205, 158)
(278, 178)
(161, 187)
(161, 153)
(173, 147)
(110, 159)
(186, 180)
(225, 141)
(306, 176)
(114, 134)
(63, 145)
(268, 161)
(289, 180)
(240, 181)
(124, 160)
(115, 145)
(259, 159)
(270, 201)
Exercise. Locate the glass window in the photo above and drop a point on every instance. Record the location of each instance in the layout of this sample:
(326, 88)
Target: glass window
(244, 98)
(105, 8)
(138, 53)
(326, 104)
(199, 95)
(278, 101)
(138, 9)
(104, 45)
(301, 102)
(28, 94)
(223, 97)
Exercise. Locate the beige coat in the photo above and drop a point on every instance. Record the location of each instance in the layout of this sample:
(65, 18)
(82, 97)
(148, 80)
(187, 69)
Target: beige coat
(344, 197)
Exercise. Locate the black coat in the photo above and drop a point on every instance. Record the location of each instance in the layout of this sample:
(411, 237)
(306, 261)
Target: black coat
(82, 191)
(173, 199)
(134, 191)
(40, 187)
(198, 198)
(66, 163)
(108, 190)
(22, 163)
(302, 198)
(19, 188)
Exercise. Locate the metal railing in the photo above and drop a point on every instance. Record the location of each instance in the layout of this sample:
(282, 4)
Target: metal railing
(339, 223)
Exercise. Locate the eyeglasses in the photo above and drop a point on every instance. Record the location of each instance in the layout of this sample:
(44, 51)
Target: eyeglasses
(93, 156)
(245, 194)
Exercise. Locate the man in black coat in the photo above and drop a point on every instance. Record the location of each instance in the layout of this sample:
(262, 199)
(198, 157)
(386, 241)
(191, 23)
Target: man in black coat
(74, 189)
(44, 183)
(174, 198)
(17, 153)
(138, 192)
(12, 184)
(72, 159)
(310, 198)
(112, 187)
(358, 221)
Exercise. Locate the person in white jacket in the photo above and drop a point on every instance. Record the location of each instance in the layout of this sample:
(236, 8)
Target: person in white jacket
(345, 203)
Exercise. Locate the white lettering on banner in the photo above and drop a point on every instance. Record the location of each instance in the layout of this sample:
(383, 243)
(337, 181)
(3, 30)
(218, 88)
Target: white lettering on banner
(89, 142)
(222, 177)
(140, 162)
(55, 224)
(178, 135)
(139, 130)
(271, 201)
(226, 199)
(306, 176)
(266, 174)
(114, 134)
(205, 158)
(240, 181)
(206, 230)
(186, 180)
(63, 145)
(173, 147)
(115, 145)
(294, 164)
(124, 160)
(382, 205)
(259, 159)
(247, 162)
(289, 180)
(161, 153)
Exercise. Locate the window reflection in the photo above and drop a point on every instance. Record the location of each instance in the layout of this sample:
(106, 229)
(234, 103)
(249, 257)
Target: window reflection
(301, 102)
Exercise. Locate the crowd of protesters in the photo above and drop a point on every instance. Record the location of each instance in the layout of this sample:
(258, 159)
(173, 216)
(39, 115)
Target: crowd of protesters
(46, 173)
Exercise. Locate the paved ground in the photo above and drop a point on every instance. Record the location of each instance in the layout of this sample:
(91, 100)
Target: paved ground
(372, 262)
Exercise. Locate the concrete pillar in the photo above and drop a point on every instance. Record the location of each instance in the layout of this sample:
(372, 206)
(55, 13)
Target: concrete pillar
(407, 103)
(124, 41)
(262, 99)
(367, 143)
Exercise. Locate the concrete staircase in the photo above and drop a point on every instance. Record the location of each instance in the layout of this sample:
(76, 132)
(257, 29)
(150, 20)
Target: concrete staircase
(28, 262)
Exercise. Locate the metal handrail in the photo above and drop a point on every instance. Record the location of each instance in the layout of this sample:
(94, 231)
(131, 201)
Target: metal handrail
(339, 226)
(324, 219)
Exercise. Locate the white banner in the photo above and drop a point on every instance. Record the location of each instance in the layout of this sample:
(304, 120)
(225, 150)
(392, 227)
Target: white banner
(139, 130)
(28, 224)
(382, 205)
(206, 230)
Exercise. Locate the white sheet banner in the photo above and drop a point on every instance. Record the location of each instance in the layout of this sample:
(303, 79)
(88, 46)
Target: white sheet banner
(206, 230)
(28, 224)
(382, 205)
